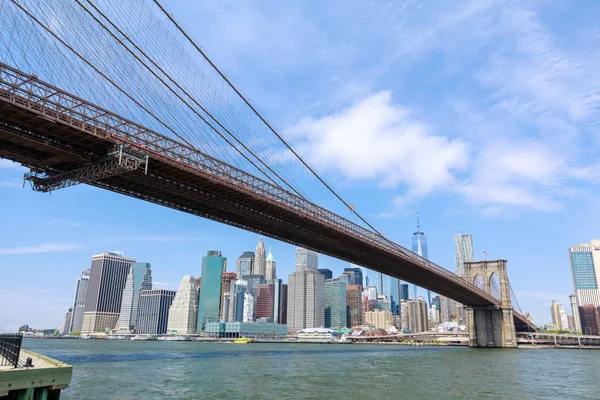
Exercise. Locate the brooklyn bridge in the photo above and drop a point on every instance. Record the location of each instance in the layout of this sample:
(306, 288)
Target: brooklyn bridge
(120, 97)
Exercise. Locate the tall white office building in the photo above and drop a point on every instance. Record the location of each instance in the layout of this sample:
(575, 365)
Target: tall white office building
(575, 311)
(463, 251)
(271, 273)
(81, 288)
(260, 259)
(248, 307)
(108, 275)
(139, 278)
(585, 269)
(306, 293)
(183, 313)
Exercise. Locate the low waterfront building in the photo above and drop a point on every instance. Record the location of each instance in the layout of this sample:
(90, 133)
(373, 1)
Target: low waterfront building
(250, 330)
(317, 335)
(183, 313)
(153, 311)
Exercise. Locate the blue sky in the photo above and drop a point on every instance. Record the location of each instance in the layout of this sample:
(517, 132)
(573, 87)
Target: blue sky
(483, 114)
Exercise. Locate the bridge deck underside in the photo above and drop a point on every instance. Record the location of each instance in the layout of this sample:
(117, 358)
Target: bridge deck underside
(43, 144)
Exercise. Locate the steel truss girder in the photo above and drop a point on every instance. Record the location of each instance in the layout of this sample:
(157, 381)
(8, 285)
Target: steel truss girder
(41, 182)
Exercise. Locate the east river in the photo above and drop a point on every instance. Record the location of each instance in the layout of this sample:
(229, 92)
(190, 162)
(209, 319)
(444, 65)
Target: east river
(112, 369)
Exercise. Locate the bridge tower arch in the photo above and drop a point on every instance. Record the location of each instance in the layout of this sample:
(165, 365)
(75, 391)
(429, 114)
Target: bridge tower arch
(490, 326)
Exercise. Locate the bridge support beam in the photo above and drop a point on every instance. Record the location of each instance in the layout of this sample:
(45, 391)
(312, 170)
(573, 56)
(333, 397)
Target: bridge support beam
(491, 327)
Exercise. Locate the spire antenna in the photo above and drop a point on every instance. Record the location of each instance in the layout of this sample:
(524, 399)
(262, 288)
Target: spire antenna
(418, 226)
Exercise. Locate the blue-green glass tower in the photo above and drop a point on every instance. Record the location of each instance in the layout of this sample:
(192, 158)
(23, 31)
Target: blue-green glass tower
(335, 304)
(209, 300)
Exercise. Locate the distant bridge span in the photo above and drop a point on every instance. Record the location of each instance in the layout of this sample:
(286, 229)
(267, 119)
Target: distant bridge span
(66, 140)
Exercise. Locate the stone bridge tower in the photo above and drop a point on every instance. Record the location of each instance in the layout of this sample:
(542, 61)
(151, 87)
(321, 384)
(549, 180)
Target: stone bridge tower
(490, 326)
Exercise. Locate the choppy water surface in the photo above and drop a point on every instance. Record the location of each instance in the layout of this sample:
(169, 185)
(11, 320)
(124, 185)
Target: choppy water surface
(112, 369)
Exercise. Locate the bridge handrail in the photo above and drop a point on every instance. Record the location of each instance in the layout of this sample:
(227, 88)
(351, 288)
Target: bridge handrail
(28, 91)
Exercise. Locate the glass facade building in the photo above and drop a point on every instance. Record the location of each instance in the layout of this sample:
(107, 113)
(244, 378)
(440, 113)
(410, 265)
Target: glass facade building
(108, 275)
(244, 265)
(209, 300)
(356, 275)
(584, 276)
(250, 330)
(306, 260)
(463, 251)
(153, 311)
(79, 302)
(335, 304)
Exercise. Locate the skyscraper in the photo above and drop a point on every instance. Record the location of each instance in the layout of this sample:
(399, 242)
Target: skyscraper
(260, 261)
(575, 311)
(335, 304)
(419, 246)
(271, 267)
(414, 315)
(79, 303)
(306, 260)
(209, 300)
(585, 269)
(356, 275)
(183, 314)
(244, 265)
(590, 319)
(306, 293)
(559, 316)
(67, 323)
(354, 305)
(252, 284)
(380, 319)
(403, 291)
(108, 275)
(228, 278)
(327, 272)
(236, 299)
(248, 307)
(269, 301)
(265, 307)
(153, 311)
(390, 288)
(463, 251)
(138, 278)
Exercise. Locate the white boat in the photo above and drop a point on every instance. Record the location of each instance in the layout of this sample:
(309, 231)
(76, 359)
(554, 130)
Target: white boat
(172, 338)
(141, 337)
(116, 337)
(85, 337)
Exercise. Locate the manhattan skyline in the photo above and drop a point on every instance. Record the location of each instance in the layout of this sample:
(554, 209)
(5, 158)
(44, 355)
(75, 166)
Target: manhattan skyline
(483, 135)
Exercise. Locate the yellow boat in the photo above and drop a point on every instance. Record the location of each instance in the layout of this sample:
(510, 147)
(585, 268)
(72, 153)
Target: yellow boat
(242, 340)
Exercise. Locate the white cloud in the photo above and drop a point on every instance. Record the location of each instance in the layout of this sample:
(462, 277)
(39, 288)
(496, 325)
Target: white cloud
(4, 163)
(40, 248)
(376, 140)
(11, 184)
(163, 285)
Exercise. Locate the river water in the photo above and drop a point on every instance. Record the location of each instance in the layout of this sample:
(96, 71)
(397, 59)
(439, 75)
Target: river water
(112, 369)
